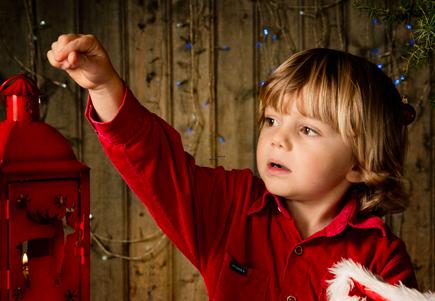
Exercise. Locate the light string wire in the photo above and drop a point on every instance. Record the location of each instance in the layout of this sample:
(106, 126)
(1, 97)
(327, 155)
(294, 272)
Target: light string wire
(149, 253)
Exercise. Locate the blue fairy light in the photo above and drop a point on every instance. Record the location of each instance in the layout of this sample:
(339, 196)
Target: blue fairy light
(274, 37)
(380, 66)
(261, 83)
(189, 130)
(221, 139)
(179, 83)
(408, 26)
(188, 45)
(266, 31)
(402, 77)
(397, 82)
(225, 48)
(375, 51)
(258, 44)
(375, 21)
(411, 42)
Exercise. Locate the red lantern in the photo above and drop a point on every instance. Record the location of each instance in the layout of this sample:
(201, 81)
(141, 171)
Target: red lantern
(44, 205)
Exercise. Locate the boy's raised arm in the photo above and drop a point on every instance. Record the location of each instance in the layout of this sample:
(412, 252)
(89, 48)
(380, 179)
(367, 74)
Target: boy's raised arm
(88, 64)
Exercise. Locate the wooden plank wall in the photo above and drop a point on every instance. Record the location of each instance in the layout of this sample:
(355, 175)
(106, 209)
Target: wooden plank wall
(199, 64)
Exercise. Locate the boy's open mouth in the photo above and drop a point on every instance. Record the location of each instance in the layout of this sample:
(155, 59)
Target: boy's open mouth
(276, 165)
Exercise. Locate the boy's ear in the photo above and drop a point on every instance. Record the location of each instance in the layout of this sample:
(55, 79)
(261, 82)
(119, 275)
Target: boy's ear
(355, 175)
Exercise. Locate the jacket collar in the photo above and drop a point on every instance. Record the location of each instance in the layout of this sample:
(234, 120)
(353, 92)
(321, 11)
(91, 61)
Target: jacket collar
(348, 215)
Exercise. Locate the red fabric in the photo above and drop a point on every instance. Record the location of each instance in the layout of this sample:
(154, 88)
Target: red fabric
(365, 292)
(240, 237)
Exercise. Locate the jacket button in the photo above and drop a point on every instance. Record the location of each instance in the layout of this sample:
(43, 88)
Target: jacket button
(291, 298)
(299, 250)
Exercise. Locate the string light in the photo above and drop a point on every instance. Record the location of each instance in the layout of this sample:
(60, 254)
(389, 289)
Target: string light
(221, 139)
(380, 66)
(266, 31)
(181, 24)
(408, 17)
(179, 83)
(226, 48)
(159, 237)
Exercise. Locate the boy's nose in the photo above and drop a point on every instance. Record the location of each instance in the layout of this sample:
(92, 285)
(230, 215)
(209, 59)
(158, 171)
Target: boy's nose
(279, 140)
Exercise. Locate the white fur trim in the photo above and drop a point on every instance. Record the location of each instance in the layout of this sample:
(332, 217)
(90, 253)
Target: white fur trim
(346, 272)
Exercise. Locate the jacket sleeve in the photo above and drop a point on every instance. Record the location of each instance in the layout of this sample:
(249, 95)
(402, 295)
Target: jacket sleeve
(191, 204)
(398, 266)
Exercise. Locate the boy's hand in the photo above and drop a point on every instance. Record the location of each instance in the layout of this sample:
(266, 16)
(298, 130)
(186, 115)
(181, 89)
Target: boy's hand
(84, 59)
(88, 64)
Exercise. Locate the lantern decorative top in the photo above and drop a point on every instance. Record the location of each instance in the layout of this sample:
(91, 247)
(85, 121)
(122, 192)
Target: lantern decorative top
(20, 85)
(23, 136)
(22, 103)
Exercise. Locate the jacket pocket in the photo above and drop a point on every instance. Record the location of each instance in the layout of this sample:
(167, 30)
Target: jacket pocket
(239, 283)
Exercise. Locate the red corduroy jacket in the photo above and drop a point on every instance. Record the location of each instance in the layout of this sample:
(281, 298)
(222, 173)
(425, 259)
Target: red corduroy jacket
(238, 235)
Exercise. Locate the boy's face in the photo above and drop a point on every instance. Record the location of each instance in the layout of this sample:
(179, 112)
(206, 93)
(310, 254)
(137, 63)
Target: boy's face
(301, 158)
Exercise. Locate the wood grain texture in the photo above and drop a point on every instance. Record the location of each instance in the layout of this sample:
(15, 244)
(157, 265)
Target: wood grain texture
(210, 49)
(148, 78)
(109, 278)
(14, 40)
(234, 84)
(14, 44)
(190, 25)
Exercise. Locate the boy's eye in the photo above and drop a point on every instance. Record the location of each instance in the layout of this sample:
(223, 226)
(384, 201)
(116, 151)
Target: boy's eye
(270, 121)
(309, 131)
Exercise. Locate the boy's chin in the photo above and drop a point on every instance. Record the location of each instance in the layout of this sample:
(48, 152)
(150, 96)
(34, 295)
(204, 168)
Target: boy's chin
(278, 190)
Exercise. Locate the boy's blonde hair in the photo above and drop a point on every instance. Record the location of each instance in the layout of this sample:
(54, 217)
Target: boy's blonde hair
(360, 102)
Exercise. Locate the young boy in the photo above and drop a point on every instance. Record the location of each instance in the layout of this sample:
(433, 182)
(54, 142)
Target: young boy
(330, 156)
